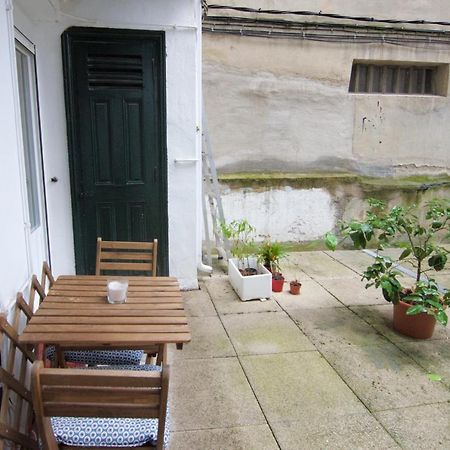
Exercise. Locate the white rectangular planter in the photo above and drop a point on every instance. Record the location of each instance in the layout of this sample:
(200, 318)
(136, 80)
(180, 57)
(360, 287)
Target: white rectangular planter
(253, 286)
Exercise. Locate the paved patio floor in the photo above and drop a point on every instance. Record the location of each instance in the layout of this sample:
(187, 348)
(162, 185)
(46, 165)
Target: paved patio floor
(323, 370)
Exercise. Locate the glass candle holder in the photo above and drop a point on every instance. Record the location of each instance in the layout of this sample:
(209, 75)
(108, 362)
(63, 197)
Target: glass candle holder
(117, 291)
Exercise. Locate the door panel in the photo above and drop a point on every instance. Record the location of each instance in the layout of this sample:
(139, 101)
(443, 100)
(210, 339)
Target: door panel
(36, 221)
(116, 122)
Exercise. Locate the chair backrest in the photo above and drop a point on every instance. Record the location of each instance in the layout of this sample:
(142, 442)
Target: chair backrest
(46, 276)
(113, 256)
(98, 393)
(35, 288)
(16, 409)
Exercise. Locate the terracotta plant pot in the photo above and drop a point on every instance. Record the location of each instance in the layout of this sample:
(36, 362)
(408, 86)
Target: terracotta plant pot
(419, 326)
(277, 283)
(294, 287)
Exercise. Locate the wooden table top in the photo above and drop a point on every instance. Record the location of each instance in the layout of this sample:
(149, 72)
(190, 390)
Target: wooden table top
(75, 314)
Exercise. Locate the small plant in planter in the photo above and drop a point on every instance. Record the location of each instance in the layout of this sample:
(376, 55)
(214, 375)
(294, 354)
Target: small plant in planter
(269, 254)
(419, 306)
(248, 277)
(242, 236)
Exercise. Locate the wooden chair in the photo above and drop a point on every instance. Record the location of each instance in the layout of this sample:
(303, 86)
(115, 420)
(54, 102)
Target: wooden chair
(113, 256)
(16, 409)
(61, 396)
(46, 276)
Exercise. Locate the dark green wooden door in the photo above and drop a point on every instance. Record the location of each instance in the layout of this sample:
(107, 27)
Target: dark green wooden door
(114, 82)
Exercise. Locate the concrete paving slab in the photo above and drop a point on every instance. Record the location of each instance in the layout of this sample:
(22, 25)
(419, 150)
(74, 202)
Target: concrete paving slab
(356, 260)
(442, 279)
(380, 317)
(258, 437)
(209, 340)
(299, 387)
(421, 427)
(227, 302)
(434, 356)
(319, 265)
(335, 327)
(267, 332)
(198, 303)
(312, 295)
(352, 291)
(343, 432)
(383, 376)
(211, 393)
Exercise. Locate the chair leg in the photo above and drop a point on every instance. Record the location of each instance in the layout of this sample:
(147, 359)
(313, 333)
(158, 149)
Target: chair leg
(162, 354)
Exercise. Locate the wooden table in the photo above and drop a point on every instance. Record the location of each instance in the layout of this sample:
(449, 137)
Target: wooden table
(75, 314)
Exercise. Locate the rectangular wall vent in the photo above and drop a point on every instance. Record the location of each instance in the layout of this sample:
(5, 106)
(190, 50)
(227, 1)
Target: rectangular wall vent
(115, 71)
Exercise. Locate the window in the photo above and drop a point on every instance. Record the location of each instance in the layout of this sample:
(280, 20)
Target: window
(26, 81)
(400, 78)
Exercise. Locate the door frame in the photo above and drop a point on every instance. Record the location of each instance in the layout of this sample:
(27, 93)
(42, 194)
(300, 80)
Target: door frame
(27, 48)
(67, 38)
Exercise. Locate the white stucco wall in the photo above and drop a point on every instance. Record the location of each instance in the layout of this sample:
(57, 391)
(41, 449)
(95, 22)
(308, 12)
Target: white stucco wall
(283, 214)
(43, 25)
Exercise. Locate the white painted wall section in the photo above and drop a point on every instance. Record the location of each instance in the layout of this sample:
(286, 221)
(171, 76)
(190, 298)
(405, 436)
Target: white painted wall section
(283, 214)
(181, 20)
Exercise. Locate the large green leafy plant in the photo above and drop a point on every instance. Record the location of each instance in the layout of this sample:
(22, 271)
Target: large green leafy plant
(420, 234)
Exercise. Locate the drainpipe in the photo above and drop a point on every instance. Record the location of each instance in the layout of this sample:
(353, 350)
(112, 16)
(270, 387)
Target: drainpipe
(204, 268)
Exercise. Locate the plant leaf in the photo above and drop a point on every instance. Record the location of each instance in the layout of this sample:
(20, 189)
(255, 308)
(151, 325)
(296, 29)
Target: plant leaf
(331, 241)
(405, 253)
(434, 377)
(416, 309)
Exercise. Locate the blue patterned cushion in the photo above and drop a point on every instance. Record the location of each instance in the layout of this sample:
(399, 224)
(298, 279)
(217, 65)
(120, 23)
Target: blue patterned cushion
(92, 432)
(94, 357)
(97, 432)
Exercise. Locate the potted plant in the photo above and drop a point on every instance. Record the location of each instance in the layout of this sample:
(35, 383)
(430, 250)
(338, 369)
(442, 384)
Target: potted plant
(294, 287)
(269, 254)
(419, 233)
(249, 278)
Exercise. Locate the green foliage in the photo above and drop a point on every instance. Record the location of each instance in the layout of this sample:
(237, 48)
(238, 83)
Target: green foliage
(242, 237)
(420, 233)
(270, 253)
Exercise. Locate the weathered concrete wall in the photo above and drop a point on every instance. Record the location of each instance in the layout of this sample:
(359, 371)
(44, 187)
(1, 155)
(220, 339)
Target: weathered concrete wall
(299, 208)
(283, 105)
(279, 104)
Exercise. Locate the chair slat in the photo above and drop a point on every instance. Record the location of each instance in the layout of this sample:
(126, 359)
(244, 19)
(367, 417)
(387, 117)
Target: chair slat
(90, 394)
(7, 379)
(126, 266)
(112, 378)
(130, 256)
(17, 437)
(125, 245)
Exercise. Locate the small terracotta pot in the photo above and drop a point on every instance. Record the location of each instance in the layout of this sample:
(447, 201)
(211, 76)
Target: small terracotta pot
(294, 287)
(419, 326)
(277, 284)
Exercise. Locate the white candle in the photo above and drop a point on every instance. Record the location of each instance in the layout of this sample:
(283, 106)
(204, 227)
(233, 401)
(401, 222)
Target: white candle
(117, 291)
